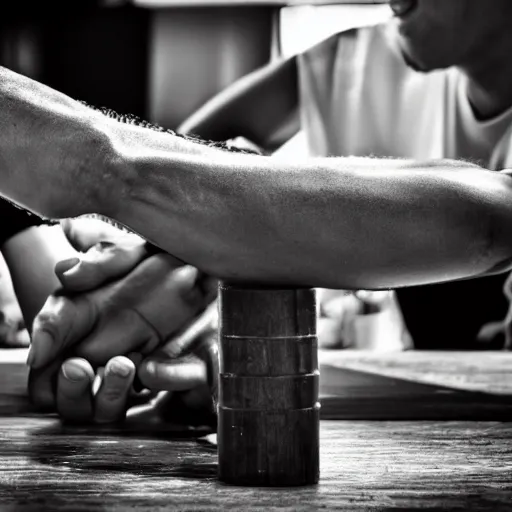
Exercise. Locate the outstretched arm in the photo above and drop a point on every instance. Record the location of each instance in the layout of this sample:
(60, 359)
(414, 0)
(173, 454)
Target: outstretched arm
(339, 222)
(330, 222)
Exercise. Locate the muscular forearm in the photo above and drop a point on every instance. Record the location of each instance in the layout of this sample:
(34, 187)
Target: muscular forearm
(49, 146)
(348, 223)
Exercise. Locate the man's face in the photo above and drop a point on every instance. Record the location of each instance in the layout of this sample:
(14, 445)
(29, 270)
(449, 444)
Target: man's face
(435, 34)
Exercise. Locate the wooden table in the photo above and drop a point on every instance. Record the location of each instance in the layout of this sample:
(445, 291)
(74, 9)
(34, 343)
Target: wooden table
(402, 432)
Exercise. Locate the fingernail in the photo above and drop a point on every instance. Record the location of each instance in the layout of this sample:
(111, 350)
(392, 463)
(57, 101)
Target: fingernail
(150, 367)
(73, 371)
(73, 271)
(187, 273)
(187, 276)
(66, 265)
(41, 346)
(118, 368)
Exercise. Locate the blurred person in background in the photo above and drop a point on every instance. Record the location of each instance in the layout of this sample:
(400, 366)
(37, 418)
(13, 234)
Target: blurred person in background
(434, 82)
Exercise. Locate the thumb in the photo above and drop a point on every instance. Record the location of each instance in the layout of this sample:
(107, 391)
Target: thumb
(61, 323)
(102, 263)
(85, 232)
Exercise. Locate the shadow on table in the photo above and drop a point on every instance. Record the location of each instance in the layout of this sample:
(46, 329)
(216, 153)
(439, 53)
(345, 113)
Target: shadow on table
(142, 446)
(145, 452)
(151, 444)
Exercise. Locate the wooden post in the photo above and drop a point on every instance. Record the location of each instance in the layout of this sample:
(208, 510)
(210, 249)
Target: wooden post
(269, 414)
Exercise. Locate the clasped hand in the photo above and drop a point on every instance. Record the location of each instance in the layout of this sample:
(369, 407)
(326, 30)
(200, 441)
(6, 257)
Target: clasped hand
(120, 310)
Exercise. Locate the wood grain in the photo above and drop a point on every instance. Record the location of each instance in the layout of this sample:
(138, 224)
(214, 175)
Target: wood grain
(269, 414)
(366, 465)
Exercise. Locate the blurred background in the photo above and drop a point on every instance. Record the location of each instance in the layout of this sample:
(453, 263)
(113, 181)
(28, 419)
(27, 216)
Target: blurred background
(162, 59)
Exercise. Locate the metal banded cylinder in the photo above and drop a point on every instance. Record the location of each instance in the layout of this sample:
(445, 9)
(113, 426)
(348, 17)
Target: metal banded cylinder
(269, 414)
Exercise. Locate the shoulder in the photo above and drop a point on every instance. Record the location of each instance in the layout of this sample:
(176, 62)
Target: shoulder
(349, 42)
(353, 55)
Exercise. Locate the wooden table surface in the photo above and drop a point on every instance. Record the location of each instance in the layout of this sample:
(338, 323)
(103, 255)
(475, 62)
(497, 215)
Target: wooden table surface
(403, 432)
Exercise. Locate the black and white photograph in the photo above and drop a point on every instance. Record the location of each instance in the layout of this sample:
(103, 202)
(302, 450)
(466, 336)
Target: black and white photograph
(255, 255)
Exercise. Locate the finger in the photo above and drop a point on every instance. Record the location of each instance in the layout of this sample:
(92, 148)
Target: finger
(180, 374)
(185, 341)
(102, 263)
(161, 372)
(112, 397)
(209, 286)
(42, 384)
(198, 404)
(175, 299)
(84, 232)
(208, 351)
(60, 323)
(74, 391)
(123, 333)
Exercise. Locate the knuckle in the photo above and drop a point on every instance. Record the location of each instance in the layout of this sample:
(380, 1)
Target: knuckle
(55, 313)
(181, 284)
(47, 320)
(89, 309)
